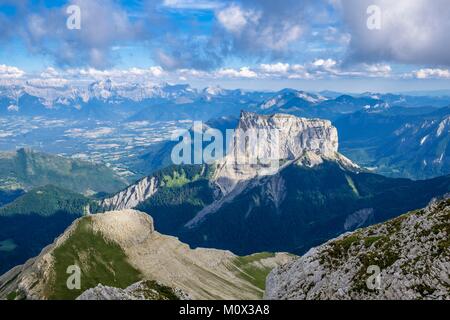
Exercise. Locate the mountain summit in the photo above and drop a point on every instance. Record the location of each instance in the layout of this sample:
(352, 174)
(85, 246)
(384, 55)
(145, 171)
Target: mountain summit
(276, 141)
(119, 249)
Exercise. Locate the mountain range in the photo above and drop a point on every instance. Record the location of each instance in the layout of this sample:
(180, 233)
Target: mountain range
(370, 124)
(315, 195)
(398, 143)
(347, 167)
(106, 99)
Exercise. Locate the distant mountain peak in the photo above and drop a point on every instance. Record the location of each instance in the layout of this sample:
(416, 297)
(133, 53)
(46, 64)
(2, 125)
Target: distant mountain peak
(214, 90)
(292, 98)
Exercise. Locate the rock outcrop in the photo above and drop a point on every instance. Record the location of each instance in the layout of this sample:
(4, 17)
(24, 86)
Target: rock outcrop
(264, 143)
(263, 146)
(121, 248)
(142, 290)
(132, 196)
(405, 258)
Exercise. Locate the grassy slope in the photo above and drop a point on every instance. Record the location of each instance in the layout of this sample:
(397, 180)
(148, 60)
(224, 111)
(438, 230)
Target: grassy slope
(105, 262)
(100, 261)
(249, 271)
(26, 169)
(184, 191)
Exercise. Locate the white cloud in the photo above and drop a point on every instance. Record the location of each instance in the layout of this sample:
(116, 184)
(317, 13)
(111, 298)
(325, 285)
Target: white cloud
(192, 4)
(13, 108)
(155, 71)
(319, 68)
(105, 24)
(49, 73)
(192, 73)
(8, 72)
(378, 69)
(432, 73)
(244, 72)
(234, 18)
(275, 68)
(263, 27)
(412, 31)
(325, 64)
(289, 33)
(152, 72)
(323, 68)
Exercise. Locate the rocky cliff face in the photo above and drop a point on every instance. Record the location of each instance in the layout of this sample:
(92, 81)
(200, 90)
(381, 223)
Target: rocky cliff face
(120, 249)
(264, 143)
(275, 142)
(132, 196)
(405, 258)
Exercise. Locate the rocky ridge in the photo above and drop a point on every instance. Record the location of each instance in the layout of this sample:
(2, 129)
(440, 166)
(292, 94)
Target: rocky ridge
(136, 252)
(133, 195)
(412, 253)
(142, 290)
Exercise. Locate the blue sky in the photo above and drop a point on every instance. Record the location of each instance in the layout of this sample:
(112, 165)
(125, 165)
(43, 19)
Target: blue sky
(254, 44)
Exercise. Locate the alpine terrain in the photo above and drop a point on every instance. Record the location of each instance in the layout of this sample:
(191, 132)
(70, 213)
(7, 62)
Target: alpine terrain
(121, 250)
(411, 254)
(314, 195)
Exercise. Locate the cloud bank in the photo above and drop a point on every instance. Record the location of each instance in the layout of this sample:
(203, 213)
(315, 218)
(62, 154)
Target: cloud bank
(248, 39)
(412, 31)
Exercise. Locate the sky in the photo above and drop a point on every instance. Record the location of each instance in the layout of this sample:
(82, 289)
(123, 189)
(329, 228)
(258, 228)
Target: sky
(342, 45)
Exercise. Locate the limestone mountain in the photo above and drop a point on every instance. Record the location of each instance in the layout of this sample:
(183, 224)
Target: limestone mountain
(281, 138)
(26, 169)
(121, 249)
(314, 195)
(411, 252)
